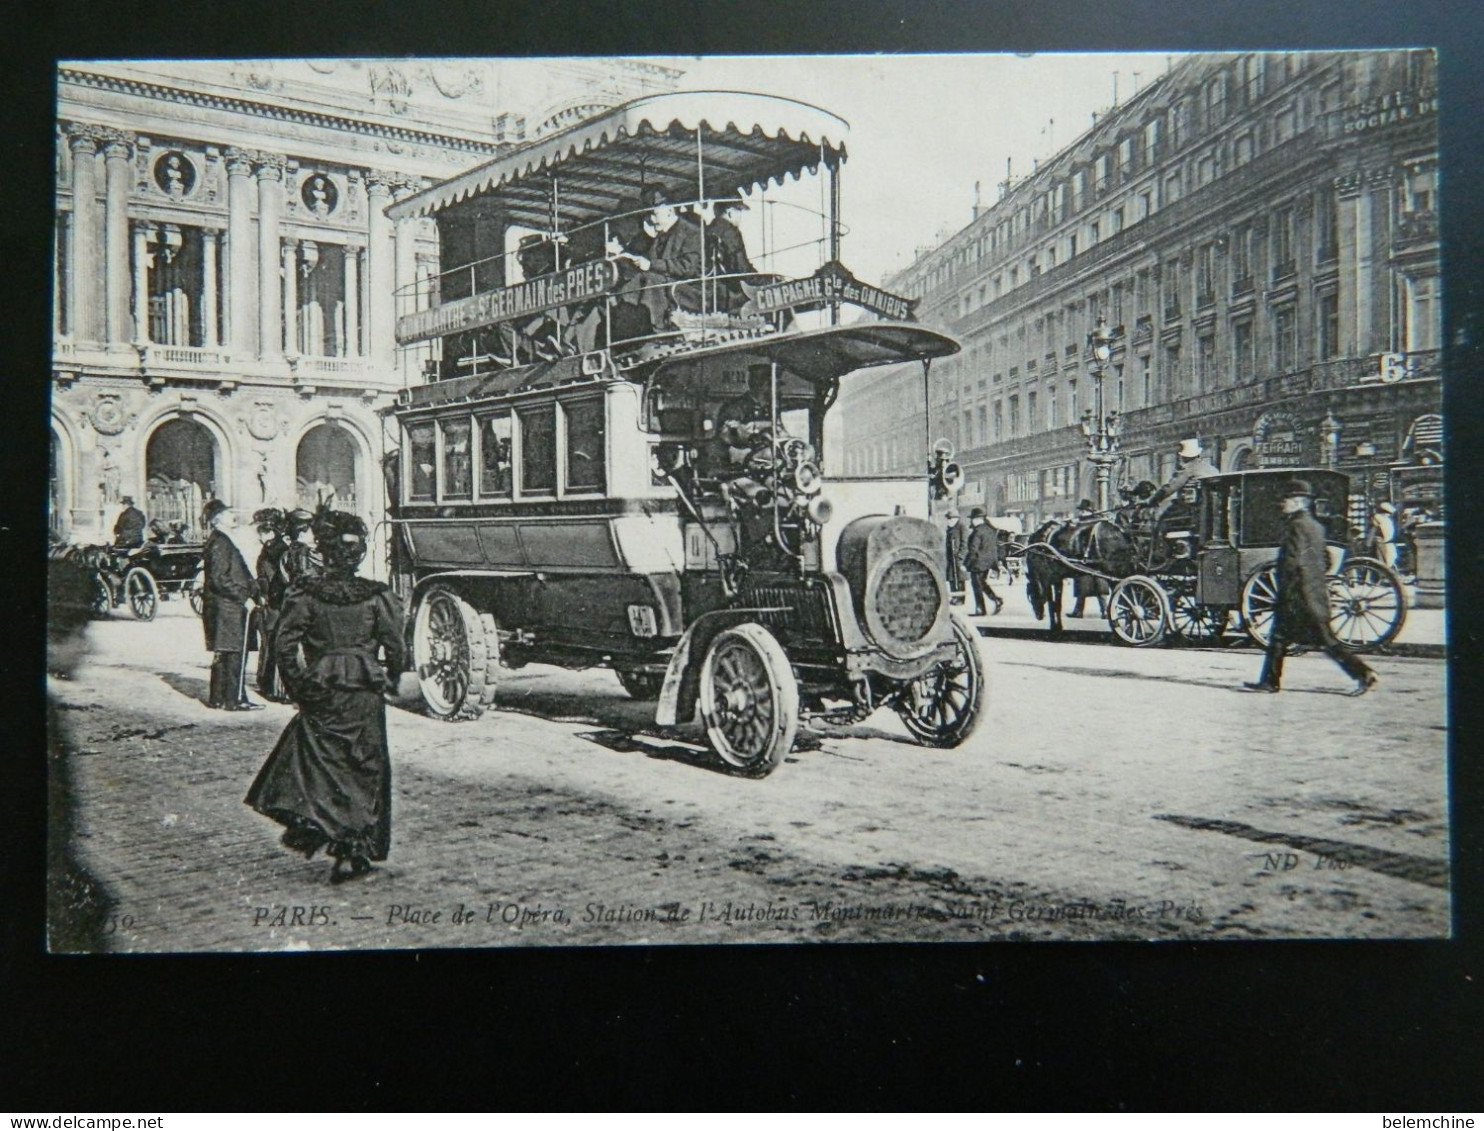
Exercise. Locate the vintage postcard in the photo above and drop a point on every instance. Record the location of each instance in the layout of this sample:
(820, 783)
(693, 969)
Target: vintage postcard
(589, 501)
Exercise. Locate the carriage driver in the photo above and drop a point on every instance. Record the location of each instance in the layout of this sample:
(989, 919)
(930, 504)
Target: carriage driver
(1191, 465)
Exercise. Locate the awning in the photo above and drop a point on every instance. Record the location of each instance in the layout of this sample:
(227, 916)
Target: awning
(747, 140)
(836, 350)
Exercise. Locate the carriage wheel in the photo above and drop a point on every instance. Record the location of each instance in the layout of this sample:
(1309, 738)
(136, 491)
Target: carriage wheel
(1367, 605)
(941, 706)
(1138, 611)
(193, 595)
(749, 699)
(102, 597)
(1189, 619)
(1260, 603)
(456, 651)
(142, 593)
(641, 685)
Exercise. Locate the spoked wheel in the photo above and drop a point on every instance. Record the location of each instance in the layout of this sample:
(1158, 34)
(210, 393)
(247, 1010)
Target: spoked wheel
(1190, 620)
(749, 699)
(641, 685)
(193, 595)
(1367, 604)
(102, 597)
(1138, 611)
(1260, 604)
(941, 706)
(456, 652)
(142, 593)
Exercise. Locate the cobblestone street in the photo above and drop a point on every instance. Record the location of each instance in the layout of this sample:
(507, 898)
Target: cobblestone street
(1110, 793)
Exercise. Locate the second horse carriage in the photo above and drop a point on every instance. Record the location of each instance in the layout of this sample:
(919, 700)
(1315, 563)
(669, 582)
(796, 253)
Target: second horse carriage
(1210, 561)
(140, 578)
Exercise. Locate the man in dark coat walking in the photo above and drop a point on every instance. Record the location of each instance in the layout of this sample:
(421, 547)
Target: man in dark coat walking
(981, 556)
(1301, 614)
(228, 589)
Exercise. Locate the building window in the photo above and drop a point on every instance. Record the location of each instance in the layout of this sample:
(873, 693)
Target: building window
(1285, 125)
(1051, 418)
(1030, 412)
(1205, 274)
(1326, 224)
(1242, 356)
(1174, 282)
(1421, 188)
(1117, 220)
(1173, 188)
(1216, 101)
(999, 421)
(1100, 173)
(1205, 371)
(1285, 346)
(1327, 314)
(1177, 125)
(1145, 205)
(585, 445)
(1171, 375)
(1072, 416)
(1241, 260)
(1146, 381)
(1283, 261)
(176, 284)
(1014, 417)
(1424, 323)
(1126, 155)
(1079, 188)
(1151, 141)
(1092, 234)
(1205, 169)
(1242, 150)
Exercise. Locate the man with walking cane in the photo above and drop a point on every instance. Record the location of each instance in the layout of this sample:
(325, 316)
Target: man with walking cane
(228, 593)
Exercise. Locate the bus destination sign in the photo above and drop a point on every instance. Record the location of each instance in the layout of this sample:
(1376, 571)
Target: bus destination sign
(561, 288)
(831, 283)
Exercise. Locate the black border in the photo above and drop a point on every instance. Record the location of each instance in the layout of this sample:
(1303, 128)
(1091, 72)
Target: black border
(1339, 1026)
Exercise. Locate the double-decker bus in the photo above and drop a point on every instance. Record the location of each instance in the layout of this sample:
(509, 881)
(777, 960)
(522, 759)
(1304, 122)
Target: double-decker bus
(617, 456)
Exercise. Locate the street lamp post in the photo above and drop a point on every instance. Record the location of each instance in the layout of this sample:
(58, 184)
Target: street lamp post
(1099, 427)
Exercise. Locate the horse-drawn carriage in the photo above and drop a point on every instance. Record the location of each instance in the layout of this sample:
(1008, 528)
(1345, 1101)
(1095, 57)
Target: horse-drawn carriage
(1210, 560)
(140, 578)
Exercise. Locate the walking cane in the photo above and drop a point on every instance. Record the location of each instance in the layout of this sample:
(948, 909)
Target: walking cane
(242, 667)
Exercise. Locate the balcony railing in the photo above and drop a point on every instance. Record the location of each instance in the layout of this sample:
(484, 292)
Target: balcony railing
(184, 355)
(1285, 269)
(1205, 299)
(1172, 311)
(1242, 286)
(1417, 226)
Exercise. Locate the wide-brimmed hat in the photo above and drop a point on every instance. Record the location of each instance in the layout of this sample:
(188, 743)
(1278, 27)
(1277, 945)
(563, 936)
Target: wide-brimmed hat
(950, 514)
(211, 510)
(1085, 505)
(127, 500)
(730, 204)
(1386, 508)
(1190, 449)
(977, 512)
(298, 520)
(1298, 488)
(269, 518)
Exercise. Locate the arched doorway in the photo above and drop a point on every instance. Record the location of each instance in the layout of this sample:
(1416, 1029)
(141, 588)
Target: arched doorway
(59, 501)
(1244, 460)
(325, 468)
(180, 469)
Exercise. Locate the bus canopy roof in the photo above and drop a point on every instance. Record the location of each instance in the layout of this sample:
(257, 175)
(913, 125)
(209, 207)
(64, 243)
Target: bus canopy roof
(745, 140)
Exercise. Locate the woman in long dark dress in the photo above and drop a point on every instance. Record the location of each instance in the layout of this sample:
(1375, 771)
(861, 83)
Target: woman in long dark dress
(339, 648)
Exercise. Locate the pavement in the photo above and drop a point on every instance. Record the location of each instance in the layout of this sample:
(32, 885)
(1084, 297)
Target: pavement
(1423, 634)
(1103, 783)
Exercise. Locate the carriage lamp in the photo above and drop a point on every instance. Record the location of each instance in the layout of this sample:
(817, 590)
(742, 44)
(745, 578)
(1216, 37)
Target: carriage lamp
(1100, 428)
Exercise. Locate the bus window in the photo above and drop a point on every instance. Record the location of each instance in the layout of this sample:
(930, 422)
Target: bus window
(423, 458)
(494, 455)
(538, 449)
(584, 445)
(458, 472)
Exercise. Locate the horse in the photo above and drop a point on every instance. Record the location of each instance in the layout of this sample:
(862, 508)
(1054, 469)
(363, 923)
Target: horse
(1102, 545)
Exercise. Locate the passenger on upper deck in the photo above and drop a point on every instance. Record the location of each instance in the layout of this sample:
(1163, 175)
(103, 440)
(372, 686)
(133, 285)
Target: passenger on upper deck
(726, 251)
(672, 262)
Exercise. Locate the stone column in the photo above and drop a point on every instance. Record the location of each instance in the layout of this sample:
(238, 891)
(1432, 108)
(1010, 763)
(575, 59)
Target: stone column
(291, 297)
(380, 277)
(142, 264)
(83, 264)
(117, 149)
(352, 302)
(208, 287)
(240, 258)
(406, 267)
(269, 170)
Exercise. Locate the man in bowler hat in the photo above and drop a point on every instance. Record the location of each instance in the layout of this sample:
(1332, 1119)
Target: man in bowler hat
(1301, 612)
(980, 556)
